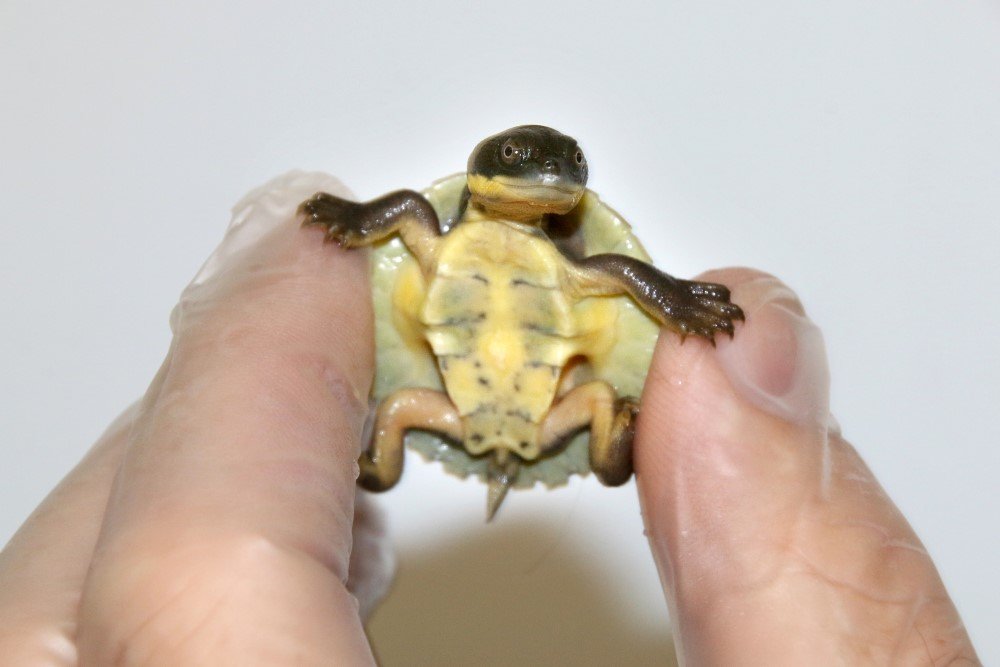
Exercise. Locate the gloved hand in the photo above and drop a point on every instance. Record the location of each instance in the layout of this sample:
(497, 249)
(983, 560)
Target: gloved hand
(214, 521)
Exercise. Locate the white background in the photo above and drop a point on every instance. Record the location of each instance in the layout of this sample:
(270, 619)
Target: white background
(850, 147)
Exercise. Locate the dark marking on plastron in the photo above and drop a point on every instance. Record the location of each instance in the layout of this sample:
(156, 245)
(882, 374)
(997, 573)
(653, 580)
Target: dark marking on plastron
(463, 320)
(537, 328)
(476, 438)
(521, 282)
(481, 278)
(520, 414)
(483, 381)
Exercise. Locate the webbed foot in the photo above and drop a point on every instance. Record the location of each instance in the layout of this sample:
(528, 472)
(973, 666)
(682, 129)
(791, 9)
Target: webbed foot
(701, 309)
(342, 219)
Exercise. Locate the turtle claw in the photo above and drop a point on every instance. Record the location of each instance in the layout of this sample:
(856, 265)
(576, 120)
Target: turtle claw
(704, 310)
(341, 219)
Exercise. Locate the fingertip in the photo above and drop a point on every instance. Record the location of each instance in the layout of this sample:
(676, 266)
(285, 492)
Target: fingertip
(264, 210)
(777, 358)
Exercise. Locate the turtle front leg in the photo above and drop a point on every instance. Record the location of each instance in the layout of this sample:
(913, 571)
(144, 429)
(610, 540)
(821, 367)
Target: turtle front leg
(425, 409)
(352, 224)
(612, 428)
(684, 306)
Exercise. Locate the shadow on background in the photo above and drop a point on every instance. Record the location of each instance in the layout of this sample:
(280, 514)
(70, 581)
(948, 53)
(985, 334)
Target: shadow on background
(511, 595)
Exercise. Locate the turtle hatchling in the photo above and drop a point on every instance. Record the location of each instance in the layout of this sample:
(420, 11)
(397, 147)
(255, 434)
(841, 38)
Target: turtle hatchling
(515, 318)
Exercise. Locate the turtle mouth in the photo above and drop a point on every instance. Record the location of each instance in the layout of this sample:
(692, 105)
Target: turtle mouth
(549, 194)
(548, 188)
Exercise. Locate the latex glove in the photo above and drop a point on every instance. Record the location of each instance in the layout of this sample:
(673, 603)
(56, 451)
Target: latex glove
(212, 524)
(775, 543)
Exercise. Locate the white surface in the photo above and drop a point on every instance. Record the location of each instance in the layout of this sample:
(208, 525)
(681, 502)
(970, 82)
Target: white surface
(852, 148)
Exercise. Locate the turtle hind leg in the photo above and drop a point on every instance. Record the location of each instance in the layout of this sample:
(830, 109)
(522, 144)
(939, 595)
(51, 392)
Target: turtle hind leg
(611, 459)
(612, 428)
(425, 409)
(500, 476)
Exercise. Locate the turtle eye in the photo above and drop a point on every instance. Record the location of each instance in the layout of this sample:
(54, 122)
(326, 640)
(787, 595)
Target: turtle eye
(509, 152)
(579, 157)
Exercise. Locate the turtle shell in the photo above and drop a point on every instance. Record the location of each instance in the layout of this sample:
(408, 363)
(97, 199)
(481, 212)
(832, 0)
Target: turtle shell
(403, 359)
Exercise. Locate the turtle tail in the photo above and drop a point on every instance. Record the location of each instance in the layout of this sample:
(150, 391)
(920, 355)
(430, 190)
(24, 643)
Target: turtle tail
(501, 474)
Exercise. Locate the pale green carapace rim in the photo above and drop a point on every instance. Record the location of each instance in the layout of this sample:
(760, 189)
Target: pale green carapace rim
(400, 365)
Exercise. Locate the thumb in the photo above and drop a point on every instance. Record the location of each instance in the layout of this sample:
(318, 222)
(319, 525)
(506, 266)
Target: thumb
(772, 537)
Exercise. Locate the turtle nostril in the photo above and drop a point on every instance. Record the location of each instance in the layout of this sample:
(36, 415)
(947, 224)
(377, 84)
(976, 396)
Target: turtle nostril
(551, 166)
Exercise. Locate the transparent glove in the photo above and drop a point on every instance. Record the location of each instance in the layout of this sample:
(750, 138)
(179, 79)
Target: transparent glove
(213, 523)
(774, 542)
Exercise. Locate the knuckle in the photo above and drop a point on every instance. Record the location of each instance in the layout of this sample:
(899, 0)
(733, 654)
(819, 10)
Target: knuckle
(177, 602)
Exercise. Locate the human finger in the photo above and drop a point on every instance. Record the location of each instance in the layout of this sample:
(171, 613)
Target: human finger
(772, 537)
(43, 567)
(228, 530)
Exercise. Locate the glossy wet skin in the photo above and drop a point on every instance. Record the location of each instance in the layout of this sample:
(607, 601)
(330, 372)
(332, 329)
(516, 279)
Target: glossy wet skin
(527, 172)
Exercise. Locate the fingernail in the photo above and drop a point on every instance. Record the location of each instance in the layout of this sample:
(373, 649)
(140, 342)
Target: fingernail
(777, 360)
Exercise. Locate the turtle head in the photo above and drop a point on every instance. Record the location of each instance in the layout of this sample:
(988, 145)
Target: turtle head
(527, 172)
